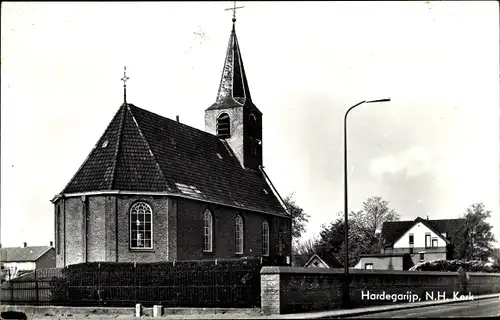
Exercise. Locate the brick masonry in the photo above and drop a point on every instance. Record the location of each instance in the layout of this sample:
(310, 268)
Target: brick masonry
(289, 290)
(96, 228)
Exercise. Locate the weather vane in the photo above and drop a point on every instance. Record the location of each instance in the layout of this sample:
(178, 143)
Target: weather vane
(234, 8)
(124, 79)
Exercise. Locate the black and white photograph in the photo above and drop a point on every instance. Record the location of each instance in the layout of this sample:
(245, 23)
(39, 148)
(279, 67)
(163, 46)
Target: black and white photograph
(250, 160)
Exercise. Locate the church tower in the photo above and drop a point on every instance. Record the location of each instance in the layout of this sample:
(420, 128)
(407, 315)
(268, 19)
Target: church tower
(233, 117)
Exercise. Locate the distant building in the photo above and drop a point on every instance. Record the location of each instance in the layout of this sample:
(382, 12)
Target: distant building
(16, 261)
(154, 189)
(406, 243)
(323, 260)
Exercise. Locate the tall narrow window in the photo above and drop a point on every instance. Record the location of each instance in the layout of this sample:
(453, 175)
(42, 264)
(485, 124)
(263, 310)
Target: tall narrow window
(265, 238)
(223, 126)
(427, 240)
(141, 226)
(239, 234)
(411, 239)
(207, 231)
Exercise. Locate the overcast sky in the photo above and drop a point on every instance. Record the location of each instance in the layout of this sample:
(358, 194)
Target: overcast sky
(433, 150)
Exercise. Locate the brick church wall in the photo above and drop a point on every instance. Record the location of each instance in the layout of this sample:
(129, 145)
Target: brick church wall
(74, 232)
(96, 229)
(190, 221)
(159, 205)
(108, 230)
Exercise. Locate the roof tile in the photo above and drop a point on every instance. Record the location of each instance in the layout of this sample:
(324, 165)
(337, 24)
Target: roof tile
(140, 156)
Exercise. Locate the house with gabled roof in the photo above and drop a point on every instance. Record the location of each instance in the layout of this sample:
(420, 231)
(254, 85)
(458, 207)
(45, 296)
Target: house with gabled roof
(406, 243)
(323, 259)
(15, 261)
(154, 189)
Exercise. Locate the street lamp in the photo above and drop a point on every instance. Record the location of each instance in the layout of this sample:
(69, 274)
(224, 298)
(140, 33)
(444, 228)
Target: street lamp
(346, 228)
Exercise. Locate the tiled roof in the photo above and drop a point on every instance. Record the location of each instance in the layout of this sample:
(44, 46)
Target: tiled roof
(330, 259)
(142, 151)
(22, 254)
(233, 89)
(393, 230)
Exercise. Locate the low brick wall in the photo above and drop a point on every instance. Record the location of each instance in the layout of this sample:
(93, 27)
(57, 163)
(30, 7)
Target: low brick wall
(289, 290)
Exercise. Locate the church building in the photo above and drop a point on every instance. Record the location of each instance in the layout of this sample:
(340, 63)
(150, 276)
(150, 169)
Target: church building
(154, 189)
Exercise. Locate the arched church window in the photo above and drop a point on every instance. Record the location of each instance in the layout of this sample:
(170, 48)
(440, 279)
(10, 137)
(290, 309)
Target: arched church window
(223, 126)
(265, 238)
(207, 231)
(141, 226)
(239, 234)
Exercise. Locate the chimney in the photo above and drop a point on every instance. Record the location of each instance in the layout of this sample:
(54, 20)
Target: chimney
(51, 244)
(427, 217)
(25, 244)
(177, 118)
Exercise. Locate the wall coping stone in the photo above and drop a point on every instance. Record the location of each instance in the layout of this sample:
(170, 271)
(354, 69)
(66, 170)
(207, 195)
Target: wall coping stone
(340, 271)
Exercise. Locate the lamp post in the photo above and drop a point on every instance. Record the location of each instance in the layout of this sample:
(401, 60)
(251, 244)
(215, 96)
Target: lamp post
(346, 297)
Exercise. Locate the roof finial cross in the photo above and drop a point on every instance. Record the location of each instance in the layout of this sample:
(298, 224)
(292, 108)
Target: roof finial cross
(124, 79)
(234, 8)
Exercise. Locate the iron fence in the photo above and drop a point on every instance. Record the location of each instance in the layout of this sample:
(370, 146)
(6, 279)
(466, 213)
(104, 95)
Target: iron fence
(222, 283)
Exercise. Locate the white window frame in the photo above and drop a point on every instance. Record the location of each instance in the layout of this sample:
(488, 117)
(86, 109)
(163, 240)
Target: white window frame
(147, 210)
(208, 227)
(239, 235)
(265, 238)
(434, 240)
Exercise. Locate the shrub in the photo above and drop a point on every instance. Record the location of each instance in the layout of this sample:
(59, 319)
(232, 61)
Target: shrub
(454, 265)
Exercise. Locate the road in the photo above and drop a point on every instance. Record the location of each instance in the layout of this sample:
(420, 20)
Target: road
(478, 308)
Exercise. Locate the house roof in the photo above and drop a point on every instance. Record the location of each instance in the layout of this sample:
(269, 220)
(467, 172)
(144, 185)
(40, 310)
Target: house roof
(393, 230)
(143, 151)
(327, 258)
(23, 254)
(382, 255)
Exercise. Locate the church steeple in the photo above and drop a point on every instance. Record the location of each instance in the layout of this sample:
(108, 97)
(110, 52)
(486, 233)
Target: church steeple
(233, 88)
(233, 117)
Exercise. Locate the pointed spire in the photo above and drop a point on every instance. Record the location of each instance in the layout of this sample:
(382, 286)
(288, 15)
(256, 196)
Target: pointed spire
(124, 79)
(234, 85)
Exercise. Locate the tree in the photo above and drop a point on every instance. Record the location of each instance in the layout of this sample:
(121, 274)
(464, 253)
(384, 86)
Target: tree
(475, 239)
(299, 216)
(302, 251)
(362, 226)
(375, 212)
(360, 240)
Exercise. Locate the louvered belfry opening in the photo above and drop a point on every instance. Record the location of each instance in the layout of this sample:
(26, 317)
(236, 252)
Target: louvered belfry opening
(223, 126)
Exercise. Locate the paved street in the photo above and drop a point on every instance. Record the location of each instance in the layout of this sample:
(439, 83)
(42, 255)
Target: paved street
(479, 308)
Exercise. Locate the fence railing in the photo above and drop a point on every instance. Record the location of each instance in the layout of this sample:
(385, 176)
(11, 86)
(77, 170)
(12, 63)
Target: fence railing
(31, 288)
(222, 283)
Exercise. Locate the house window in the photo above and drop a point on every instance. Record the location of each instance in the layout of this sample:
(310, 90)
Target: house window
(207, 231)
(369, 266)
(422, 256)
(141, 226)
(223, 126)
(434, 243)
(427, 240)
(239, 235)
(265, 238)
(411, 239)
